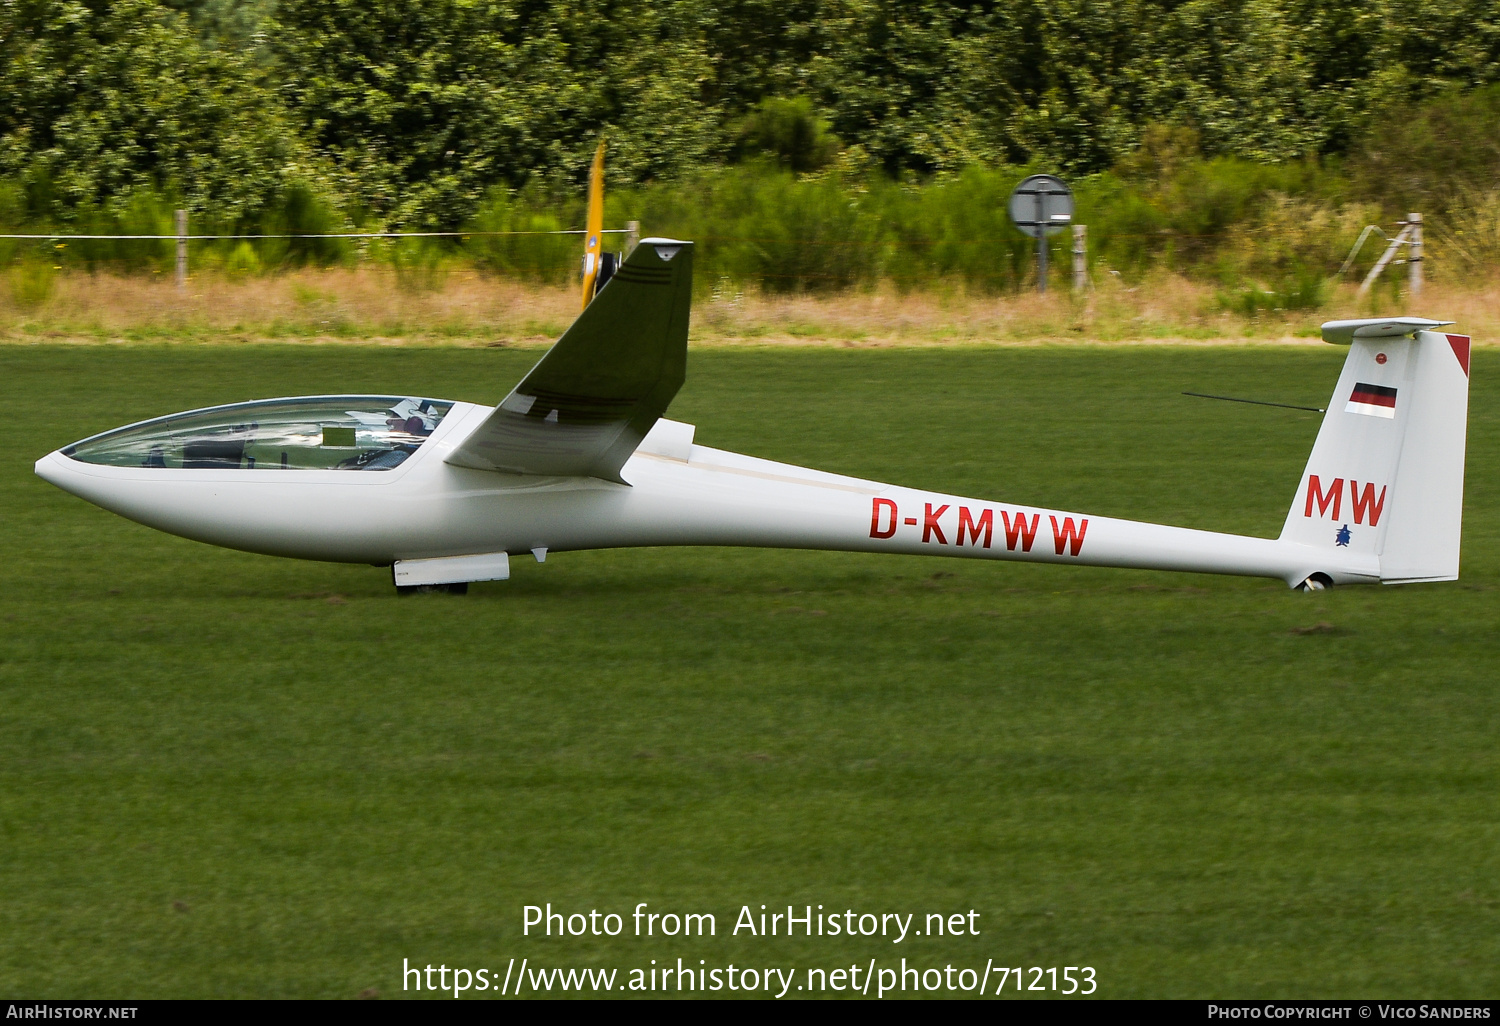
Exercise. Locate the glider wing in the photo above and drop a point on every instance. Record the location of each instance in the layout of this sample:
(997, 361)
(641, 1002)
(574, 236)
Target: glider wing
(586, 405)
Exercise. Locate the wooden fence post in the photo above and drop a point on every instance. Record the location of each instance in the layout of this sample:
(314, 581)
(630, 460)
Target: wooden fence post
(632, 236)
(182, 226)
(1414, 255)
(1080, 257)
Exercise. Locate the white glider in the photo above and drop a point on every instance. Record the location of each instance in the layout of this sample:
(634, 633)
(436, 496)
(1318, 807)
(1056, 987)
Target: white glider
(578, 456)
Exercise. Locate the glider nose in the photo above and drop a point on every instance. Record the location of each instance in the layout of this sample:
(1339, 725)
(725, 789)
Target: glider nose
(65, 473)
(75, 479)
(53, 468)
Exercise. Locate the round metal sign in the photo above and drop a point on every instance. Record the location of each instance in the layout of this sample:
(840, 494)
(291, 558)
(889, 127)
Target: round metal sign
(1041, 205)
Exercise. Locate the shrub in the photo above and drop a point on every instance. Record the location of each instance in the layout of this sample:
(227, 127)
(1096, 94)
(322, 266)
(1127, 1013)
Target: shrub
(1466, 242)
(520, 247)
(32, 281)
(787, 130)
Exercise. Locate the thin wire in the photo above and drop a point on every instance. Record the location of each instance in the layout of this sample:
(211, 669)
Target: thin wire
(579, 231)
(1257, 402)
(944, 242)
(331, 235)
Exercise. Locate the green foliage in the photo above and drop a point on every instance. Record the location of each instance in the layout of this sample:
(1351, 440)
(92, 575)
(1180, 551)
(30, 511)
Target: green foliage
(1467, 240)
(422, 107)
(243, 260)
(143, 211)
(106, 100)
(419, 265)
(12, 216)
(411, 112)
(784, 233)
(958, 228)
(1222, 218)
(32, 280)
(301, 210)
(1180, 210)
(1433, 155)
(12, 204)
(808, 144)
(228, 24)
(1300, 289)
(516, 242)
(789, 131)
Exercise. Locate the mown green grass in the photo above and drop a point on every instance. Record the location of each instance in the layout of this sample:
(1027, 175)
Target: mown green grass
(224, 774)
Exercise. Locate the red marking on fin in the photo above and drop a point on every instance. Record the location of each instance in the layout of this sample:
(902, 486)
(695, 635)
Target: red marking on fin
(1460, 344)
(911, 521)
(1365, 503)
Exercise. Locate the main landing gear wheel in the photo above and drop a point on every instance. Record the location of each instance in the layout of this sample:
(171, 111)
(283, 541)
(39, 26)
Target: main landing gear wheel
(462, 588)
(1316, 582)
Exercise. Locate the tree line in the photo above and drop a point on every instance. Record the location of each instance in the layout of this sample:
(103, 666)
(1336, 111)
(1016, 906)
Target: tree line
(414, 113)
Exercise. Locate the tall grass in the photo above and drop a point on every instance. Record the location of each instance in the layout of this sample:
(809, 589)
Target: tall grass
(147, 212)
(1467, 242)
(1254, 230)
(368, 304)
(1267, 237)
(513, 237)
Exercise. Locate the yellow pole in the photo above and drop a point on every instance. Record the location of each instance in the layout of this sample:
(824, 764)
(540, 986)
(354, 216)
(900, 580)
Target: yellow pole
(595, 227)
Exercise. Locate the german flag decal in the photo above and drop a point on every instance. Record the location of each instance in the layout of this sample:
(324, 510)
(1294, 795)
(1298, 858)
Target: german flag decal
(1372, 401)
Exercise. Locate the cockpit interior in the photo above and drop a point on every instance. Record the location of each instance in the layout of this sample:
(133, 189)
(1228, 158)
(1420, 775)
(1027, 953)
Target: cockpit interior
(308, 433)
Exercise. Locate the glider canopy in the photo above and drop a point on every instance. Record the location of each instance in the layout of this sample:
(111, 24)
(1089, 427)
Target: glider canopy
(340, 432)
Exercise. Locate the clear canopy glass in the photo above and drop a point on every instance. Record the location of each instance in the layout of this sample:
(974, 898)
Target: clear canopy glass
(341, 432)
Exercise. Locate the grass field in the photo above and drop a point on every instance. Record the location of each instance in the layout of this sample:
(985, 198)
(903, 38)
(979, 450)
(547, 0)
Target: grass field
(231, 775)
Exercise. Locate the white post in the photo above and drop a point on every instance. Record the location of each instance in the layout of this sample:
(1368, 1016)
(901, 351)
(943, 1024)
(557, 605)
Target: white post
(1414, 255)
(632, 236)
(182, 226)
(1401, 239)
(1080, 257)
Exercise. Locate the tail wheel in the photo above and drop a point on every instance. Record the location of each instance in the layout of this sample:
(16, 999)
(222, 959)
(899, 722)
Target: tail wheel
(1316, 582)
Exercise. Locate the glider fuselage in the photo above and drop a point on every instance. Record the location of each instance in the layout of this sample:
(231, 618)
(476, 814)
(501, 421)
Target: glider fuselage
(678, 493)
(579, 455)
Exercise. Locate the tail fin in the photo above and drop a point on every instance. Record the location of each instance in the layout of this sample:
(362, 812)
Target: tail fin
(1386, 475)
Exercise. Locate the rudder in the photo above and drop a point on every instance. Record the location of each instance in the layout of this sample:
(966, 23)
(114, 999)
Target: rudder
(1385, 477)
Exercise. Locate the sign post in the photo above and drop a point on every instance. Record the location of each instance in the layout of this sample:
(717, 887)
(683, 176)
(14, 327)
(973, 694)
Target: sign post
(1040, 206)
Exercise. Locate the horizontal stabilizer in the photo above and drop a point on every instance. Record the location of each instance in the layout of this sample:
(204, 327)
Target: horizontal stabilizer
(586, 405)
(1343, 333)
